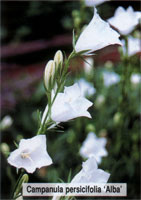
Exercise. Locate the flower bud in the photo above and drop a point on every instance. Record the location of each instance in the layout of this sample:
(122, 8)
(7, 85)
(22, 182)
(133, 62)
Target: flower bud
(6, 122)
(25, 178)
(117, 118)
(49, 74)
(58, 58)
(4, 148)
(99, 100)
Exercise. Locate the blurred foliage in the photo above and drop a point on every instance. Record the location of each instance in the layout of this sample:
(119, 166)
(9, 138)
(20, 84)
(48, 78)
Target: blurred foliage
(30, 20)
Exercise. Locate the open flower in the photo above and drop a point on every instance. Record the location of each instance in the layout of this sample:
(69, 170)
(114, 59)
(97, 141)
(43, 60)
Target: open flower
(90, 173)
(125, 20)
(70, 104)
(31, 154)
(86, 88)
(134, 46)
(110, 78)
(97, 35)
(94, 146)
(91, 3)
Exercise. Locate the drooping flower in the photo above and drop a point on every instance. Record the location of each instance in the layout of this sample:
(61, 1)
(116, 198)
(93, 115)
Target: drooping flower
(97, 35)
(86, 88)
(90, 173)
(31, 154)
(134, 46)
(91, 3)
(110, 78)
(125, 20)
(70, 104)
(135, 78)
(94, 146)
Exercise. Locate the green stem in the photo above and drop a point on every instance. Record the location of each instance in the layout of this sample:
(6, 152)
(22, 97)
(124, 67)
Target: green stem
(17, 183)
(50, 102)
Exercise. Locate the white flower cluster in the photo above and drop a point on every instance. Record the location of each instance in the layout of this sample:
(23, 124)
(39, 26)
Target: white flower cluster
(67, 105)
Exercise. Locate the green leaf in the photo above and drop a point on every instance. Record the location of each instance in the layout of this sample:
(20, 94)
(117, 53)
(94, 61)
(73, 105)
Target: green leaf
(39, 113)
(16, 144)
(59, 179)
(73, 39)
(69, 177)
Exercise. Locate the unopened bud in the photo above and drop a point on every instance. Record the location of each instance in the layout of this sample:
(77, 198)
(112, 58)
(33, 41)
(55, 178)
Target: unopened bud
(90, 128)
(109, 65)
(25, 178)
(58, 58)
(6, 122)
(4, 148)
(99, 101)
(117, 118)
(49, 74)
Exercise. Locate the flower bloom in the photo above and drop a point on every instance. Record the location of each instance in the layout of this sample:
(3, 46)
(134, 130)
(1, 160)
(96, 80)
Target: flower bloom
(90, 173)
(86, 88)
(91, 3)
(134, 45)
(135, 78)
(125, 20)
(31, 154)
(110, 78)
(94, 146)
(70, 104)
(97, 35)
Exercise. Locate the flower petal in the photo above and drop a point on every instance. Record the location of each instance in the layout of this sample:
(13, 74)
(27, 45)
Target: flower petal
(31, 154)
(90, 173)
(96, 35)
(73, 91)
(128, 17)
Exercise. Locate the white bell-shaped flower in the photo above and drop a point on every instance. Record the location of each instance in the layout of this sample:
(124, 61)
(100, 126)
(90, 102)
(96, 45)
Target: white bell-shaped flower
(90, 173)
(70, 104)
(125, 20)
(31, 154)
(91, 3)
(97, 35)
(94, 146)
